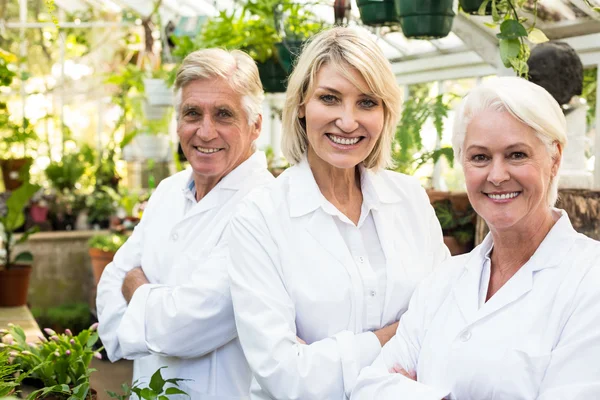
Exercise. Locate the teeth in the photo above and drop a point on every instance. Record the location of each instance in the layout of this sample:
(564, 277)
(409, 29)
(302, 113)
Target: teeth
(206, 151)
(341, 140)
(503, 196)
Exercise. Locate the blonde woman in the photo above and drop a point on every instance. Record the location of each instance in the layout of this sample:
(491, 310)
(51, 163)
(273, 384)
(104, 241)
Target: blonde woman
(325, 260)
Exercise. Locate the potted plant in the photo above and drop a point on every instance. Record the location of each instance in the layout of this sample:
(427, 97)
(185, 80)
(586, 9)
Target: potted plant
(378, 12)
(458, 226)
(279, 27)
(15, 270)
(102, 249)
(425, 19)
(59, 365)
(8, 386)
(156, 389)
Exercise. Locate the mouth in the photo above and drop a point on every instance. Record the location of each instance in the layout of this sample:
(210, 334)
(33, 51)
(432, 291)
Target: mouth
(344, 141)
(207, 150)
(502, 196)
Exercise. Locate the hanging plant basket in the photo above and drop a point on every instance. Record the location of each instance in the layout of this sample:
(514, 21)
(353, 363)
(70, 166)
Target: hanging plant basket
(472, 6)
(288, 52)
(13, 169)
(273, 76)
(378, 12)
(157, 92)
(425, 19)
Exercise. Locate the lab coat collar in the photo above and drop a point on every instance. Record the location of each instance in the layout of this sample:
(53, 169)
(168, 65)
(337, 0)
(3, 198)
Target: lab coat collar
(306, 197)
(549, 254)
(237, 179)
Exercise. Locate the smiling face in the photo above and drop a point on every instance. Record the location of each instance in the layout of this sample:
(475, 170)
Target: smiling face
(213, 129)
(507, 171)
(343, 124)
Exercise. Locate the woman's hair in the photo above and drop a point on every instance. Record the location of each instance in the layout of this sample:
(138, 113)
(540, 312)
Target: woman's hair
(344, 49)
(525, 101)
(236, 67)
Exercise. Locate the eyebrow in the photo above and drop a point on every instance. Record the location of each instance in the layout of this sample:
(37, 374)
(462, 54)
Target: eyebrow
(511, 147)
(330, 89)
(187, 107)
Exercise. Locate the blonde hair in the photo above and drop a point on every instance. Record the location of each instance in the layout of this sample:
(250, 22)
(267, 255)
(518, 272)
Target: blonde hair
(341, 47)
(235, 66)
(527, 102)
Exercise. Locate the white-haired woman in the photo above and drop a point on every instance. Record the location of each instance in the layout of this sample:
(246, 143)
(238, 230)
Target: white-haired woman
(517, 318)
(325, 260)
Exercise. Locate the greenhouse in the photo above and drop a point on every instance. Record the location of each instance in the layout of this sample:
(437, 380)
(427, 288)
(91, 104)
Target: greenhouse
(233, 199)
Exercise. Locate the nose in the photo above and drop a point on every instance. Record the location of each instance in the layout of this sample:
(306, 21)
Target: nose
(206, 130)
(498, 173)
(346, 120)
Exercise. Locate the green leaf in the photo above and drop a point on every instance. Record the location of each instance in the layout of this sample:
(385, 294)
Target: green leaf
(161, 397)
(25, 257)
(157, 382)
(27, 233)
(18, 199)
(173, 390)
(148, 394)
(509, 49)
(511, 29)
(537, 36)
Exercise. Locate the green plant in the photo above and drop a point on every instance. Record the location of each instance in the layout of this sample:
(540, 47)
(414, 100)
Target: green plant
(60, 362)
(11, 220)
(7, 375)
(454, 223)
(110, 242)
(407, 149)
(154, 390)
(75, 316)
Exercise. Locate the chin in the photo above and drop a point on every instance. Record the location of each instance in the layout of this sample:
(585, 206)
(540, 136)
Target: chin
(344, 162)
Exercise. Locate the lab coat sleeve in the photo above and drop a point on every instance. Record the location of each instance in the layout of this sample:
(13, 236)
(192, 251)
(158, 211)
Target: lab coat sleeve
(184, 321)
(574, 368)
(110, 303)
(376, 382)
(265, 319)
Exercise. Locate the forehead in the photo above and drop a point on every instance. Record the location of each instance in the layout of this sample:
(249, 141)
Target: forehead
(499, 129)
(210, 92)
(341, 77)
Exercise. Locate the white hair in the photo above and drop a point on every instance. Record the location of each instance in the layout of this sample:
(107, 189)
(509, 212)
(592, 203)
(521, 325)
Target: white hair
(527, 102)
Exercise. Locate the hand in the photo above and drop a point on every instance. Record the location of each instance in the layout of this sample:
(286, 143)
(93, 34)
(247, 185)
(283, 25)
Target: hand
(133, 280)
(397, 369)
(385, 334)
(300, 340)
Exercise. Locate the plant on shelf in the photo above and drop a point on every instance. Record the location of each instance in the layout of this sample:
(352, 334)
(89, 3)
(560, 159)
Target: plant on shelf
(8, 385)
(102, 249)
(408, 151)
(57, 365)
(75, 316)
(156, 389)
(458, 226)
(15, 269)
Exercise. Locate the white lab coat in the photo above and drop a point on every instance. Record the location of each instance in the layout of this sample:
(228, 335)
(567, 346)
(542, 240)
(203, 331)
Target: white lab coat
(183, 319)
(538, 337)
(292, 274)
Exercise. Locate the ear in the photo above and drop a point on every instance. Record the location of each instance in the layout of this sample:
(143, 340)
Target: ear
(557, 159)
(301, 112)
(256, 128)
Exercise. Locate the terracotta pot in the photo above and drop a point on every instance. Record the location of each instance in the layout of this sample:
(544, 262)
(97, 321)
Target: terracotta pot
(460, 201)
(455, 247)
(437, 195)
(14, 284)
(100, 259)
(11, 169)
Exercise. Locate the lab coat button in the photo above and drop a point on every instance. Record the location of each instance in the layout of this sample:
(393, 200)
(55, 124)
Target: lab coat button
(175, 236)
(361, 259)
(373, 293)
(465, 336)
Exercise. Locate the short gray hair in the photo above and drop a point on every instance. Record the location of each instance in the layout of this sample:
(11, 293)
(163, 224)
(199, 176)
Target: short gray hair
(235, 66)
(527, 102)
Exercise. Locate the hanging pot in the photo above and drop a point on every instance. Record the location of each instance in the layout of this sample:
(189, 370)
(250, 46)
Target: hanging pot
(157, 92)
(13, 170)
(273, 76)
(378, 12)
(287, 53)
(425, 19)
(472, 6)
(14, 285)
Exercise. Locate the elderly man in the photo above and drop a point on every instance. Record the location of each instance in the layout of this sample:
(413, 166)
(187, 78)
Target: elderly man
(164, 300)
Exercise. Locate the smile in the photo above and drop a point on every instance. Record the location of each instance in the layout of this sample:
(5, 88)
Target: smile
(344, 141)
(206, 150)
(503, 196)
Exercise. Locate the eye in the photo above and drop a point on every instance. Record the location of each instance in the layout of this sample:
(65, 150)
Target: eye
(368, 103)
(224, 113)
(518, 155)
(479, 158)
(328, 98)
(191, 114)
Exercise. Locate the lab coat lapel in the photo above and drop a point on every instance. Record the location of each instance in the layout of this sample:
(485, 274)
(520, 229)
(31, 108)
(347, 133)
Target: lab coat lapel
(466, 291)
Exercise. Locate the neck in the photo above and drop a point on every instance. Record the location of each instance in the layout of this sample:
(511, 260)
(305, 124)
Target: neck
(515, 246)
(340, 186)
(204, 184)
